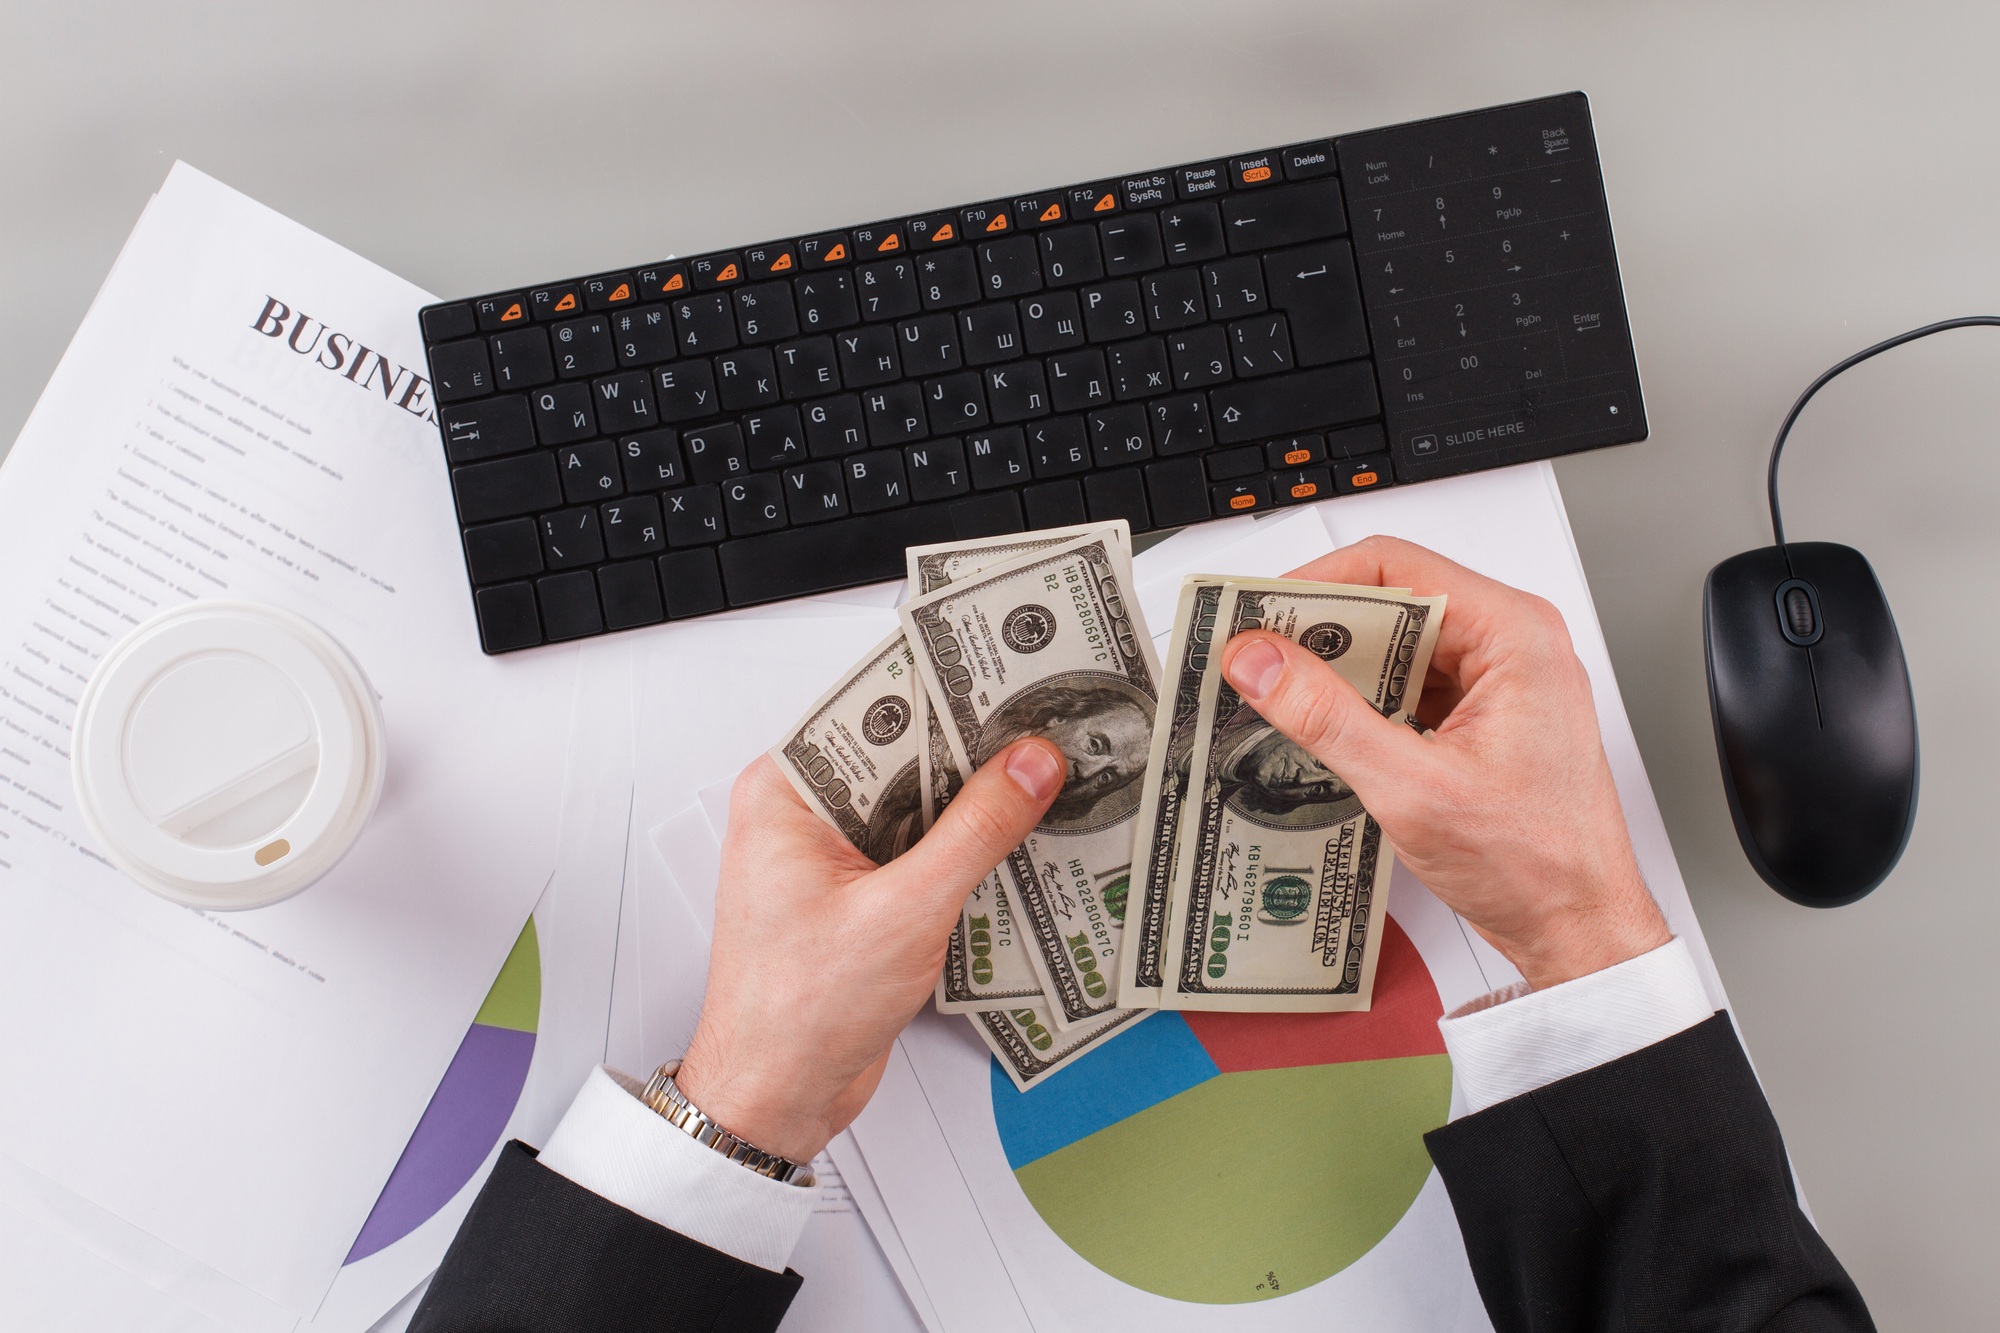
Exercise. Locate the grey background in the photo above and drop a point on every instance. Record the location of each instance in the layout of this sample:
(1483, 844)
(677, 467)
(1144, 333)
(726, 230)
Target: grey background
(1789, 182)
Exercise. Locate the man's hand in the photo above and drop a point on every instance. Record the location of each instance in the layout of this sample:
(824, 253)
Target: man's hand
(821, 956)
(1506, 810)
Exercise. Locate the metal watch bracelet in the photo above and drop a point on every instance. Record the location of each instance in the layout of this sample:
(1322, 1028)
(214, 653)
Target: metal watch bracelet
(664, 1097)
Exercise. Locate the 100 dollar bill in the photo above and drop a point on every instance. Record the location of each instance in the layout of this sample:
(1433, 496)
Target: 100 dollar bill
(1282, 876)
(1052, 645)
(1029, 1049)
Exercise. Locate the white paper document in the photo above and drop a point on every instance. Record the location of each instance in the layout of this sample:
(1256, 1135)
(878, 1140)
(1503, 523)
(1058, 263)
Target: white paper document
(243, 413)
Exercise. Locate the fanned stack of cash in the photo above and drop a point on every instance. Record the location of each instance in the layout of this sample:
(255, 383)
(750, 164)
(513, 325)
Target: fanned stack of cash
(1195, 859)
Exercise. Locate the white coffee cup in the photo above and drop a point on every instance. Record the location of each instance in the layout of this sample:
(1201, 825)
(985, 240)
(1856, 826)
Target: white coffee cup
(227, 754)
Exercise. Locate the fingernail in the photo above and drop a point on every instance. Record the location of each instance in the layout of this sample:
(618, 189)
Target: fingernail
(1035, 770)
(1255, 669)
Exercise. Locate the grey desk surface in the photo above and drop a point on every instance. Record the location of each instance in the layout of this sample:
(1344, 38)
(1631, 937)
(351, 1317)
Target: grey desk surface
(1790, 181)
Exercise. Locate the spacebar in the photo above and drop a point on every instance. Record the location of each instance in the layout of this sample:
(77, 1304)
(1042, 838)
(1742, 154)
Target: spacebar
(832, 555)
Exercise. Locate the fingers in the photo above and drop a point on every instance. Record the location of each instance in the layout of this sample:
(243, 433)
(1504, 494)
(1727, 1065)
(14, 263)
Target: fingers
(1302, 697)
(991, 815)
(1477, 602)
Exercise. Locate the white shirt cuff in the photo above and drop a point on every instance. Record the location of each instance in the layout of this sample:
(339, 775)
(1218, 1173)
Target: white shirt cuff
(1515, 1040)
(617, 1147)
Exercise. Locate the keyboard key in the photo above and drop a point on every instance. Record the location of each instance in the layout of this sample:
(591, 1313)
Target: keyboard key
(1200, 181)
(955, 403)
(1097, 200)
(764, 312)
(1016, 392)
(825, 250)
(570, 537)
(685, 392)
(1177, 492)
(880, 238)
(631, 594)
(1299, 486)
(1287, 404)
(569, 605)
(487, 429)
(775, 438)
(997, 458)
(501, 312)
(983, 220)
(1260, 346)
(1200, 357)
(1229, 464)
(1055, 504)
(754, 504)
(1009, 267)
(1192, 232)
(715, 453)
(895, 414)
(496, 552)
(1173, 299)
(1147, 191)
(442, 323)
(1180, 424)
(807, 368)
(460, 370)
(1131, 244)
(1357, 441)
(589, 471)
(947, 279)
(929, 344)
(813, 493)
(747, 379)
(932, 230)
(1308, 161)
(1078, 380)
(711, 271)
(507, 618)
(505, 487)
(824, 556)
(632, 527)
(1059, 447)
(1248, 173)
(990, 333)
(936, 470)
(1051, 323)
(1119, 435)
(1267, 219)
(1235, 288)
(662, 281)
(521, 358)
(1070, 256)
(652, 461)
(1138, 368)
(1113, 310)
(770, 261)
(583, 347)
(691, 582)
(693, 516)
(826, 301)
(1316, 287)
(1035, 211)
(624, 402)
(867, 356)
(1297, 451)
(834, 426)
(1120, 494)
(703, 324)
(555, 303)
(875, 481)
(888, 289)
(609, 290)
(563, 414)
(1362, 474)
(1240, 497)
(643, 335)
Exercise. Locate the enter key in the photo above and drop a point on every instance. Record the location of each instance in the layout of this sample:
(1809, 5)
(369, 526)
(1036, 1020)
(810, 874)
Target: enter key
(1319, 292)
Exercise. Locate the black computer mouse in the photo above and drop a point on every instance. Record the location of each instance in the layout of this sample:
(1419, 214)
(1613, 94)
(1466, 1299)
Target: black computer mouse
(1814, 721)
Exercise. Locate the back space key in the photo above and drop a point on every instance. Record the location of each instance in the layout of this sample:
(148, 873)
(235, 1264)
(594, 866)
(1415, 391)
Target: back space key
(1286, 404)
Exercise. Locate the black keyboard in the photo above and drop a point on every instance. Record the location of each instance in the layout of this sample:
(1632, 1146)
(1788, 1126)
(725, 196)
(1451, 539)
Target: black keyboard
(1213, 339)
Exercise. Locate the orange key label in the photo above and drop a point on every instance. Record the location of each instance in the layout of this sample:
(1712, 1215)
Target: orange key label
(999, 222)
(1294, 457)
(1053, 213)
(673, 284)
(568, 302)
(838, 253)
(944, 233)
(1256, 174)
(1104, 205)
(1363, 479)
(622, 292)
(781, 263)
(1242, 502)
(514, 312)
(728, 273)
(1304, 490)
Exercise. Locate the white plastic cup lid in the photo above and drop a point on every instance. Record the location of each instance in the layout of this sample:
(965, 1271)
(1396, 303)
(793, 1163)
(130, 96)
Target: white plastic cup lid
(227, 754)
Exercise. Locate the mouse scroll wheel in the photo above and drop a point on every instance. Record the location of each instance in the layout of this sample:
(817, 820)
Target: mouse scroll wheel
(1799, 613)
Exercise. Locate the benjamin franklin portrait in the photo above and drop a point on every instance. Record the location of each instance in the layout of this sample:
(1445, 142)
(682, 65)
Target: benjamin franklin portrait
(1103, 726)
(1269, 780)
(897, 820)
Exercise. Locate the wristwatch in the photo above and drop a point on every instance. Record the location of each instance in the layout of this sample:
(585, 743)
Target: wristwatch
(673, 1106)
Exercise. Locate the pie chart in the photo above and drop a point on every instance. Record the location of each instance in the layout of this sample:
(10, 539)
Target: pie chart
(1222, 1158)
(469, 1111)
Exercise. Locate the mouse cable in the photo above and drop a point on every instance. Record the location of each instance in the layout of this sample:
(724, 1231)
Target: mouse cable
(1778, 445)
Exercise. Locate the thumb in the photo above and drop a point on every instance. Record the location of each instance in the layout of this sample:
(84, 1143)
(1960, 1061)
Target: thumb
(988, 818)
(1310, 703)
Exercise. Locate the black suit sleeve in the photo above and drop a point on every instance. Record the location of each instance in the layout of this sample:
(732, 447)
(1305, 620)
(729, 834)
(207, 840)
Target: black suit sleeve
(1652, 1192)
(540, 1252)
